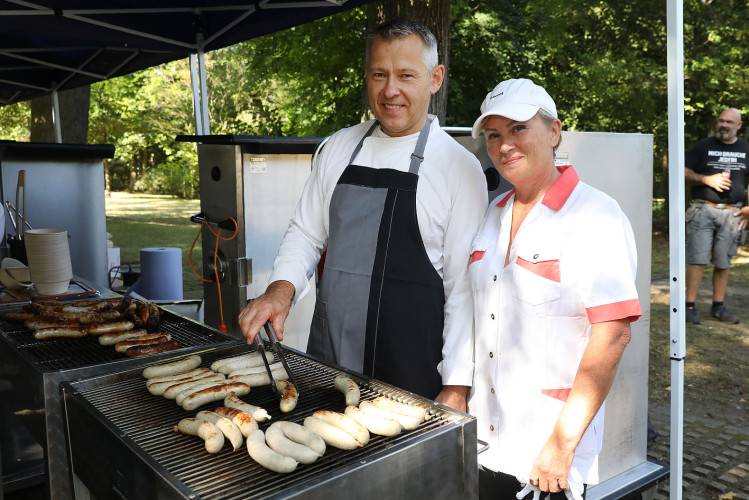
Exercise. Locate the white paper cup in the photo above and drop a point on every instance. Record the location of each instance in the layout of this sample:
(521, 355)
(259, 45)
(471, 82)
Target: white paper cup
(54, 288)
(48, 253)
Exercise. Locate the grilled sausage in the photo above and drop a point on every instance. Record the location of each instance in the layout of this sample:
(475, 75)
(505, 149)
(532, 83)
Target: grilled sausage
(345, 423)
(59, 333)
(177, 388)
(282, 445)
(248, 359)
(209, 432)
(289, 395)
(113, 338)
(154, 338)
(230, 430)
(143, 350)
(212, 394)
(332, 435)
(177, 376)
(243, 420)
(408, 422)
(266, 457)
(397, 407)
(349, 388)
(18, 316)
(375, 425)
(158, 388)
(260, 379)
(250, 370)
(110, 327)
(258, 414)
(301, 435)
(174, 367)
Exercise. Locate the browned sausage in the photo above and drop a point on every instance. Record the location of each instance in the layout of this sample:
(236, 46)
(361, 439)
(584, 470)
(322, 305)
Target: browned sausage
(18, 316)
(152, 348)
(144, 340)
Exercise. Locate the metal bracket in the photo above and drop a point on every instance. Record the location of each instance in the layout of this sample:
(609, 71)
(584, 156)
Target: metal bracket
(242, 270)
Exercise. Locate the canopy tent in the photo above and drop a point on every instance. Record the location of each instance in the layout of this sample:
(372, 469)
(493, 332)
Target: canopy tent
(48, 45)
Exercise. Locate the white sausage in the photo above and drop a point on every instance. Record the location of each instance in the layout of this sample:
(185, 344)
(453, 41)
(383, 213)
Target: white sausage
(289, 395)
(349, 388)
(332, 435)
(244, 363)
(302, 435)
(408, 422)
(266, 457)
(282, 445)
(253, 369)
(158, 388)
(182, 365)
(258, 414)
(199, 385)
(211, 434)
(346, 423)
(235, 359)
(260, 379)
(243, 420)
(113, 338)
(212, 394)
(172, 391)
(176, 376)
(230, 430)
(404, 408)
(376, 425)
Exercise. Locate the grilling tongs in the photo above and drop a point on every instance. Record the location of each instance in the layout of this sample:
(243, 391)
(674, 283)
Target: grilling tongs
(278, 351)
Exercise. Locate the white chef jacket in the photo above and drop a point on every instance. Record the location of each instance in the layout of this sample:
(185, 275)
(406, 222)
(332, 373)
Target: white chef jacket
(451, 200)
(572, 263)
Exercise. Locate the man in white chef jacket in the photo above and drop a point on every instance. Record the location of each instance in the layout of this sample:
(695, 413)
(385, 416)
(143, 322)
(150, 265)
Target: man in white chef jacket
(395, 203)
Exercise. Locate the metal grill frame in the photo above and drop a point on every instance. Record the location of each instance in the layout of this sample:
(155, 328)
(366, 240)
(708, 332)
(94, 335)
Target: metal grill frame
(35, 374)
(145, 458)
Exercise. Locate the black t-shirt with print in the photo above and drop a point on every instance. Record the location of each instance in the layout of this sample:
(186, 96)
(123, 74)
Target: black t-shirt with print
(711, 156)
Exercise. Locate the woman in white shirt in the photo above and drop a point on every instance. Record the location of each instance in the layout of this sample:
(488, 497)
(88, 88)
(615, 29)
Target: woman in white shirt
(553, 278)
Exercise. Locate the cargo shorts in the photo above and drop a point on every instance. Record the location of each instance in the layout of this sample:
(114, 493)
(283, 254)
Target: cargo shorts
(711, 232)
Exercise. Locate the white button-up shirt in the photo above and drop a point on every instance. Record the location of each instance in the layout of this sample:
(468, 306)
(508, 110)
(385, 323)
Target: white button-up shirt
(572, 263)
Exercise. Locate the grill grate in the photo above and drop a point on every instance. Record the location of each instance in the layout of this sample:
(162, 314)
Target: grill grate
(65, 354)
(148, 421)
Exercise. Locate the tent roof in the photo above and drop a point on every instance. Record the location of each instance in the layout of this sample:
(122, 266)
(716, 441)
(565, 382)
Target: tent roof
(55, 45)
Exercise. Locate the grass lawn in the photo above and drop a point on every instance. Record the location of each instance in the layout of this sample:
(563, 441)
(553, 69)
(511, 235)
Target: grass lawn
(138, 221)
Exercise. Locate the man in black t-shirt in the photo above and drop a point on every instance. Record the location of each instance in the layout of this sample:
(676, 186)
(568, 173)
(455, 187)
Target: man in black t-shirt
(718, 170)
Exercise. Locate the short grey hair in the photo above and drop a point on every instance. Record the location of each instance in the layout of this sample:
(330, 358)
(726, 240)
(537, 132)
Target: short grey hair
(548, 119)
(396, 29)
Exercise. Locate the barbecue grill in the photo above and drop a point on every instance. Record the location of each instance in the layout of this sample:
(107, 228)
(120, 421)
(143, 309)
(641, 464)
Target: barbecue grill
(35, 368)
(113, 420)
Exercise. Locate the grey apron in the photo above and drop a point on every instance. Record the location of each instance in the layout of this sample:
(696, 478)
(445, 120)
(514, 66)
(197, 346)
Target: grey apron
(380, 306)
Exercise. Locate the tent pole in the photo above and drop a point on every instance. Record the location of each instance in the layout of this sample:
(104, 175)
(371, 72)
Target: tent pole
(196, 108)
(56, 117)
(675, 56)
(203, 92)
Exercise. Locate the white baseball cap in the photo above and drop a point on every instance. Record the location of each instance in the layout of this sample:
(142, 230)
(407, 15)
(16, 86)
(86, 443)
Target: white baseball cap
(517, 99)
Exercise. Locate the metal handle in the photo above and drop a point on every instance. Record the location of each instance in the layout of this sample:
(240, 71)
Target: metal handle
(484, 446)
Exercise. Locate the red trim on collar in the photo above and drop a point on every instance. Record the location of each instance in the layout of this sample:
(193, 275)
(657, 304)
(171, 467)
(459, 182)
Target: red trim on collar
(504, 200)
(559, 192)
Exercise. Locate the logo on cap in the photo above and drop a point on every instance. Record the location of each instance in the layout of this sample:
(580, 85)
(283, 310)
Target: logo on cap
(497, 95)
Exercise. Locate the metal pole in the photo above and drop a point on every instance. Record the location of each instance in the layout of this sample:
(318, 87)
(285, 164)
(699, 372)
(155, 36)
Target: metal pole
(196, 95)
(56, 117)
(203, 93)
(675, 56)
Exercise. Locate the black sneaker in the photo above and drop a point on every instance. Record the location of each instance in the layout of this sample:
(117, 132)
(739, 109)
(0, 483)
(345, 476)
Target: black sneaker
(724, 315)
(691, 316)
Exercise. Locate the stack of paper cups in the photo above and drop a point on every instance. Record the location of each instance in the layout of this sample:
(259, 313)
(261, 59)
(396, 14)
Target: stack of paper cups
(48, 253)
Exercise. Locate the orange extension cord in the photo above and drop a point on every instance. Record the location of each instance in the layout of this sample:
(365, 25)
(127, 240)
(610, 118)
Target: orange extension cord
(222, 325)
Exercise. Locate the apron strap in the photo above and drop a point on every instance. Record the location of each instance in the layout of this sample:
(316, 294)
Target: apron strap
(418, 155)
(361, 142)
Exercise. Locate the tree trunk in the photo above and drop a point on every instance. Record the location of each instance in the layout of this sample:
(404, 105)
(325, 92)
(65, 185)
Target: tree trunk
(435, 15)
(73, 116)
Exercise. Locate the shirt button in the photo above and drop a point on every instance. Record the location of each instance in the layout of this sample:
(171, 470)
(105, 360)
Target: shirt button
(495, 277)
(492, 390)
(491, 354)
(492, 316)
(491, 428)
